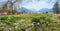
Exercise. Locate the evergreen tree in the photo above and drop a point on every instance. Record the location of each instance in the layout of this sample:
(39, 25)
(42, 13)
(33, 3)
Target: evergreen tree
(55, 8)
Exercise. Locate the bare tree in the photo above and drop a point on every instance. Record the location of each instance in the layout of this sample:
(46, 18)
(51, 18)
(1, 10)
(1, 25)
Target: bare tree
(11, 6)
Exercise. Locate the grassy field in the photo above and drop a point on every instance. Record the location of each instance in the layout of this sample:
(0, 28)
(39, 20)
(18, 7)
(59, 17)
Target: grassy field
(30, 22)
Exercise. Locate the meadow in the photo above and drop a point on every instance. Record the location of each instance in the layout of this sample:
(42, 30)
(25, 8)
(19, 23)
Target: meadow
(30, 22)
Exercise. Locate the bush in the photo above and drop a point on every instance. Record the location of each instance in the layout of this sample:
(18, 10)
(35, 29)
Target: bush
(42, 17)
(4, 18)
(36, 20)
(12, 19)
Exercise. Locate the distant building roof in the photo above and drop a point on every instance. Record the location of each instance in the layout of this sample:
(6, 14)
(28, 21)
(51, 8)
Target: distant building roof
(3, 11)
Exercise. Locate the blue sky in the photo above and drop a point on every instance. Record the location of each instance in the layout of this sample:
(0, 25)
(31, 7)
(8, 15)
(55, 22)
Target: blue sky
(3, 0)
(38, 4)
(35, 4)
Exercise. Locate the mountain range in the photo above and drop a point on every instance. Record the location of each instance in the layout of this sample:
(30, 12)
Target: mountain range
(25, 10)
(43, 10)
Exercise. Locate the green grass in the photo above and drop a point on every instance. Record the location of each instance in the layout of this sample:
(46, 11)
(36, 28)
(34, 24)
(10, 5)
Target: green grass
(25, 21)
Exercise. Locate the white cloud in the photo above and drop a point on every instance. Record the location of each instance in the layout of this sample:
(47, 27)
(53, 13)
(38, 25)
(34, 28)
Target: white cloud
(35, 4)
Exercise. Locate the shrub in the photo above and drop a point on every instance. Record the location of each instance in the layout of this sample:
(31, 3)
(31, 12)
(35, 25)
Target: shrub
(42, 17)
(4, 18)
(36, 20)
